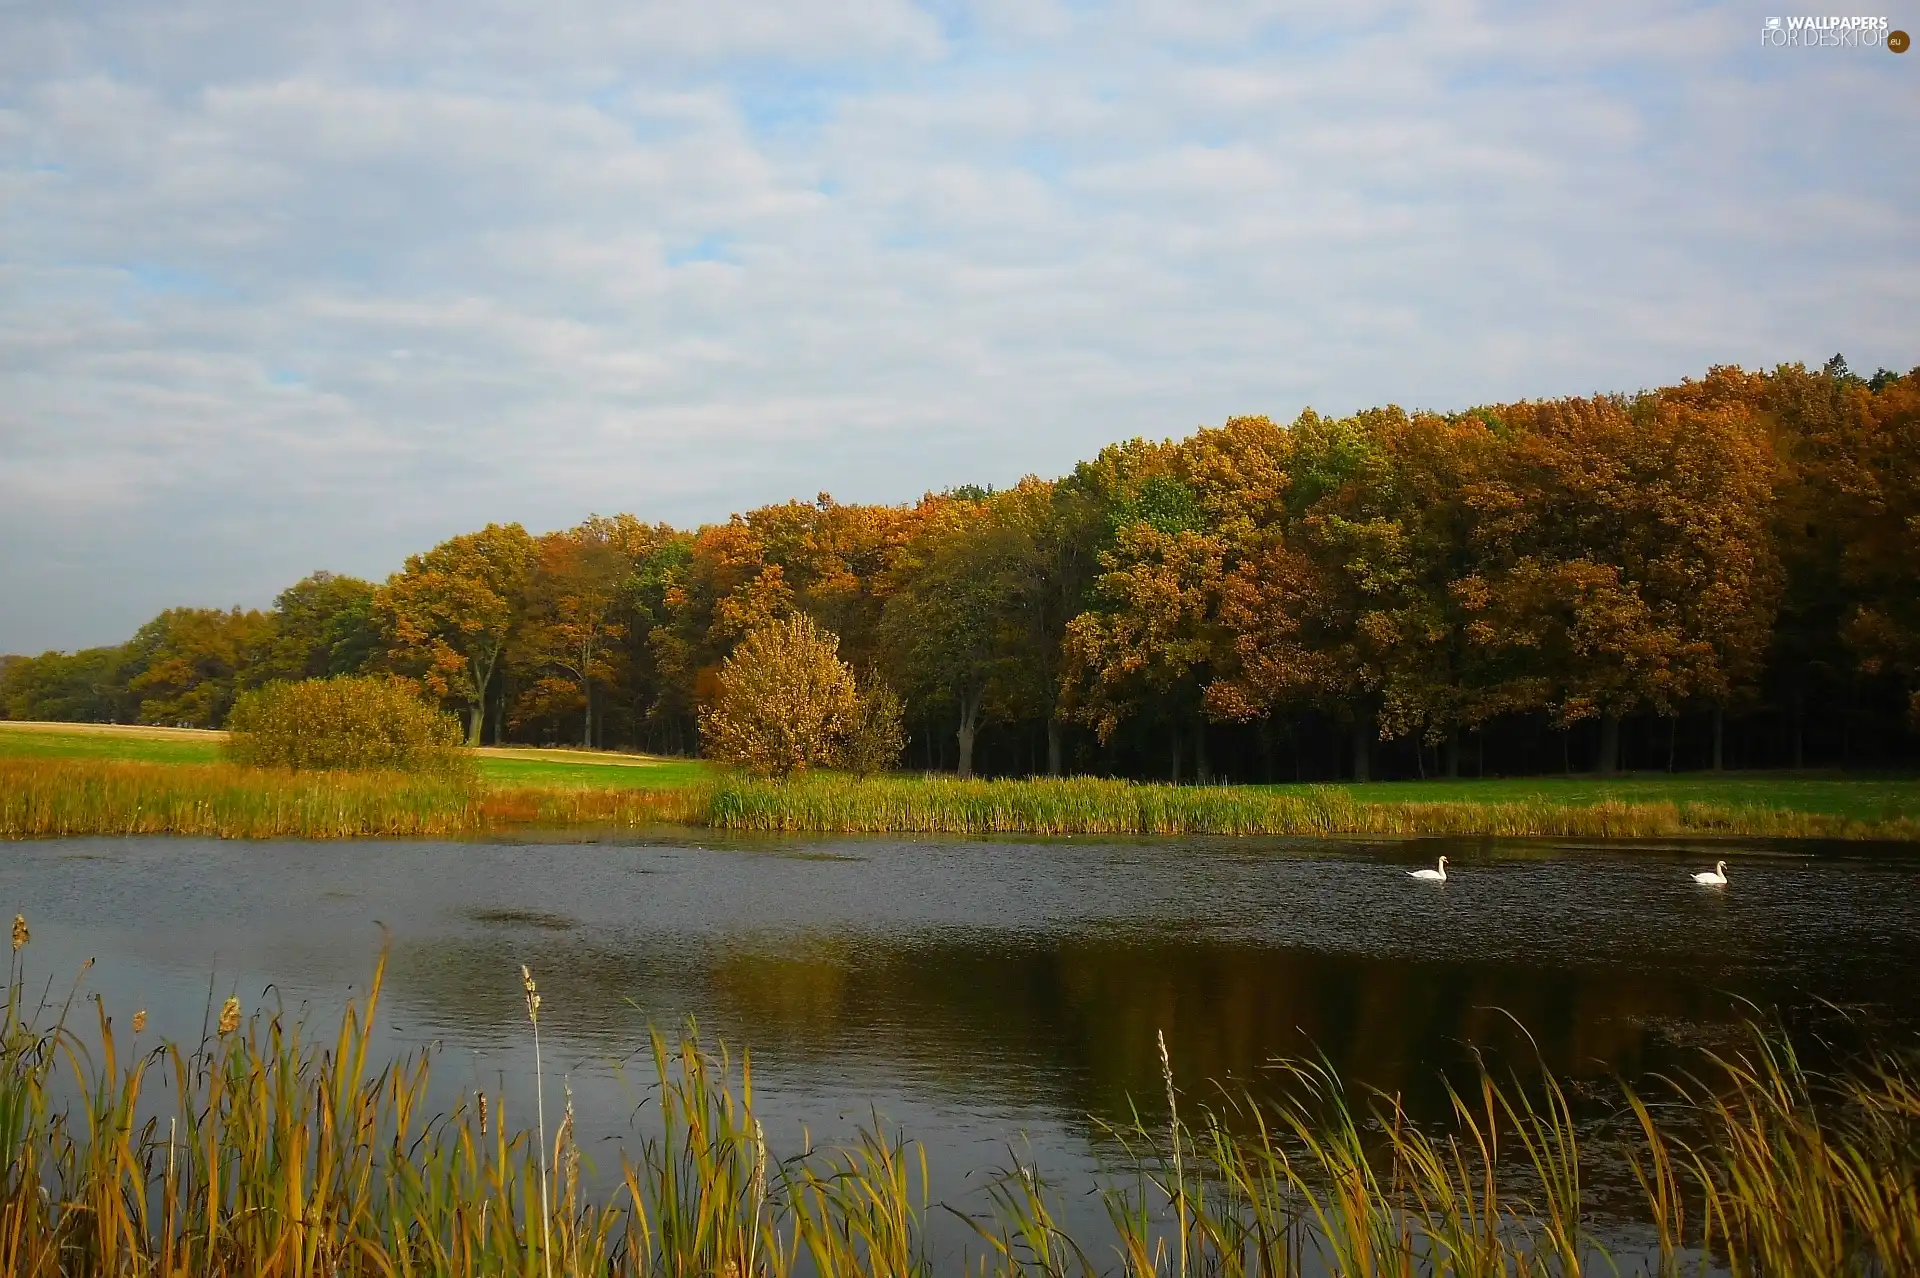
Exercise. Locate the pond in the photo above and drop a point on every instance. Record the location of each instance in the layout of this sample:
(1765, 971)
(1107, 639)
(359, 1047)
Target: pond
(991, 998)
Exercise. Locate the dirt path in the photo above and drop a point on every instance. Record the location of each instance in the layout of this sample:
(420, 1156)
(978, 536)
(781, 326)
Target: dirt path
(132, 731)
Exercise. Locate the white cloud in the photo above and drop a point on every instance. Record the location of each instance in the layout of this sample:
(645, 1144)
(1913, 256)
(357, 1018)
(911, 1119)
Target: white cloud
(302, 288)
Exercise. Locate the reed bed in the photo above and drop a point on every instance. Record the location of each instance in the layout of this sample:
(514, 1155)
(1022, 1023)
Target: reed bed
(42, 798)
(70, 797)
(262, 1150)
(1095, 806)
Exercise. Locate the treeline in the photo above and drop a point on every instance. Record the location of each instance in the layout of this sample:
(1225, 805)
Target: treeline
(1720, 573)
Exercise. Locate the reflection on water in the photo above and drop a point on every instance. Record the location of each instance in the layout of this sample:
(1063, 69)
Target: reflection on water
(975, 989)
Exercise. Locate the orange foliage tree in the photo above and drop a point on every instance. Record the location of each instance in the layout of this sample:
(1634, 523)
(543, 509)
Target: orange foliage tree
(450, 613)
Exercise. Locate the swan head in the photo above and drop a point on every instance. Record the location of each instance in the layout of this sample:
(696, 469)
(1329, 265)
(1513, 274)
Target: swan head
(1443, 863)
(1719, 867)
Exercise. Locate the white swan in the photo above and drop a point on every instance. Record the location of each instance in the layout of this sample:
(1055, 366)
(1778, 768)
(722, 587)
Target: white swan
(1716, 877)
(1435, 876)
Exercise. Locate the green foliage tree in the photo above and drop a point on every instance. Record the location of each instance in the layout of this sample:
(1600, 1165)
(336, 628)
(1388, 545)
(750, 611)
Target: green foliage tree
(321, 625)
(949, 625)
(89, 686)
(877, 735)
(785, 701)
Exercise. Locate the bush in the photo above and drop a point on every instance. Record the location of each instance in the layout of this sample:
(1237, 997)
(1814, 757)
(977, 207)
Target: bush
(350, 723)
(878, 733)
(786, 703)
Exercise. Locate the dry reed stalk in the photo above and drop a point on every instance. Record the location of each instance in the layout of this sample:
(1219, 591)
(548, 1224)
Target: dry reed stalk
(287, 1157)
(540, 1107)
(1173, 1134)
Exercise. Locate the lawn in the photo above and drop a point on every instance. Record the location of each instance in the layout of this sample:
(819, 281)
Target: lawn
(1865, 796)
(505, 766)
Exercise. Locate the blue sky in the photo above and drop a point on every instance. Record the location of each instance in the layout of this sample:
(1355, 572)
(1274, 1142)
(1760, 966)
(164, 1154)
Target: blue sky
(286, 288)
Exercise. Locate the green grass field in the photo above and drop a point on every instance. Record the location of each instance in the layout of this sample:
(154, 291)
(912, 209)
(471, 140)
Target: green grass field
(1864, 797)
(508, 766)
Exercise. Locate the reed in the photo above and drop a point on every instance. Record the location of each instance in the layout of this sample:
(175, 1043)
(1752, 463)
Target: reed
(1095, 806)
(262, 1150)
(42, 798)
(69, 797)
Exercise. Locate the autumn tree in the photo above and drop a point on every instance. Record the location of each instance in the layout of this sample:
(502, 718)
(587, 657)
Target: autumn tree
(580, 595)
(1877, 491)
(188, 663)
(659, 695)
(784, 702)
(1630, 564)
(450, 613)
(830, 560)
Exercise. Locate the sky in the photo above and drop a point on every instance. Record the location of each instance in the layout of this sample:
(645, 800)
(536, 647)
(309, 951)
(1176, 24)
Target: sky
(285, 288)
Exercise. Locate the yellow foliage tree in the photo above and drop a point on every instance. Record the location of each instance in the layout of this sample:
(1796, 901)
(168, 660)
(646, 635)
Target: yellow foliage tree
(785, 703)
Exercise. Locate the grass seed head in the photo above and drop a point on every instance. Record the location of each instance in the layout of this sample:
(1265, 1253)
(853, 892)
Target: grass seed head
(230, 1016)
(20, 934)
(140, 1020)
(533, 994)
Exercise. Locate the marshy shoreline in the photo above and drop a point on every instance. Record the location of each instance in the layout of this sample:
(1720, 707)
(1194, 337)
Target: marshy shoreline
(272, 1146)
(58, 798)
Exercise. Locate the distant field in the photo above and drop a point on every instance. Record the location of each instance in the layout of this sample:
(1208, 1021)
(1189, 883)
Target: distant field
(1868, 797)
(506, 766)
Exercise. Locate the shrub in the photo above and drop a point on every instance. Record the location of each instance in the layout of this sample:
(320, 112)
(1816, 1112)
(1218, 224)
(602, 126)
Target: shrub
(786, 703)
(878, 734)
(350, 723)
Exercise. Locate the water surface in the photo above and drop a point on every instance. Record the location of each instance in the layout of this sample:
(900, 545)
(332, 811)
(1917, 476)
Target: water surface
(979, 993)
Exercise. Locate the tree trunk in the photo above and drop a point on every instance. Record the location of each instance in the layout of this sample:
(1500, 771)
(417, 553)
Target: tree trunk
(586, 732)
(969, 719)
(1362, 751)
(1609, 743)
(1202, 770)
(476, 722)
(1453, 756)
(1053, 746)
(1719, 739)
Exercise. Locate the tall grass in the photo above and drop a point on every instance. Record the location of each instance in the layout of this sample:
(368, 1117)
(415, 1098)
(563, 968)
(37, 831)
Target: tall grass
(1096, 806)
(54, 797)
(261, 1150)
(65, 798)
